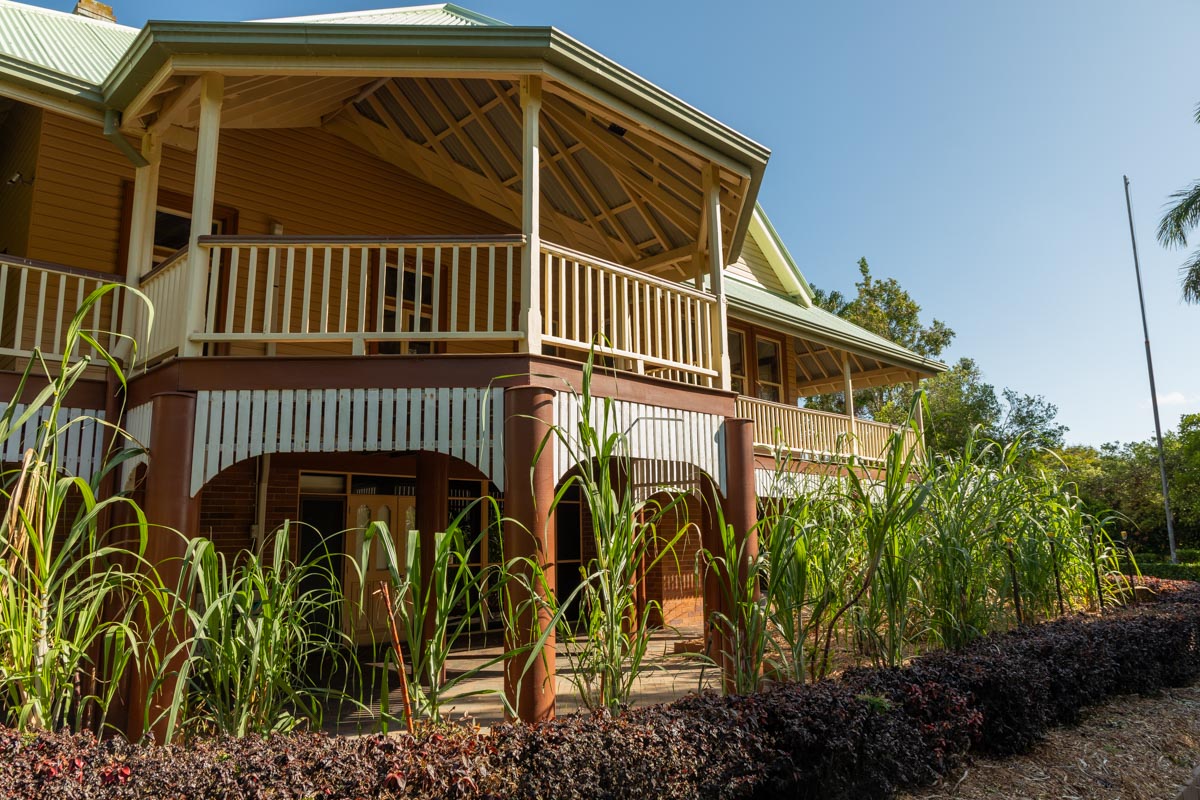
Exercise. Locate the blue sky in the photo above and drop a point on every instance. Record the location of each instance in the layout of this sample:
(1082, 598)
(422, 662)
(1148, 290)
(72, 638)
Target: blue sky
(974, 151)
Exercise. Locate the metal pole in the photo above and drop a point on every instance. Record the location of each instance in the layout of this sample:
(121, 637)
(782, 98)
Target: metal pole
(1162, 461)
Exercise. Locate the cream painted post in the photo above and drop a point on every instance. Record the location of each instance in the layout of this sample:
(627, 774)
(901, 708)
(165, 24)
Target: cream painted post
(141, 233)
(212, 91)
(920, 415)
(849, 392)
(531, 274)
(716, 271)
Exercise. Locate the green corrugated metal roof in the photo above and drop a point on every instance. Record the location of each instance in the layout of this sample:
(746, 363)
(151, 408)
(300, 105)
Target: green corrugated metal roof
(821, 325)
(68, 44)
(439, 14)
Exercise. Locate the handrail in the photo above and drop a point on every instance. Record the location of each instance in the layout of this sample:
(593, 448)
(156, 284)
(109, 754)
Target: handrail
(51, 266)
(361, 241)
(165, 264)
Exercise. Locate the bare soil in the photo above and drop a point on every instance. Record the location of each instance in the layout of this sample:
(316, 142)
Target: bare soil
(1132, 749)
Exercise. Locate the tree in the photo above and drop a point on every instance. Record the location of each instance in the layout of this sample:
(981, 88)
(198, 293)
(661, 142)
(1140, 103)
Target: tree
(1178, 220)
(1124, 477)
(959, 399)
(882, 307)
(1033, 418)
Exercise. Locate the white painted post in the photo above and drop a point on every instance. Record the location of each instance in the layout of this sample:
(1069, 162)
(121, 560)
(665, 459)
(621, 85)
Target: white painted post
(716, 270)
(849, 392)
(531, 277)
(141, 235)
(212, 91)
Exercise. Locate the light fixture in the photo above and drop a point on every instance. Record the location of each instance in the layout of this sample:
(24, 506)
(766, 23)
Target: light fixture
(19, 178)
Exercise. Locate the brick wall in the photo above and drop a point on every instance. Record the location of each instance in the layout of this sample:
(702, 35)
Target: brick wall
(675, 586)
(229, 502)
(227, 508)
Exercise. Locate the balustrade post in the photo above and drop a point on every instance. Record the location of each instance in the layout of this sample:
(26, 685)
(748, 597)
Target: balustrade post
(212, 92)
(531, 277)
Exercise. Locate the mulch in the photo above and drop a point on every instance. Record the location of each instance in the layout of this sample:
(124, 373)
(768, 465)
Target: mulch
(1129, 749)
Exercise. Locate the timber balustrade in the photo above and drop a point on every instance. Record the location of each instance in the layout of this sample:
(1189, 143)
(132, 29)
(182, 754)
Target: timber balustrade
(646, 324)
(39, 299)
(817, 435)
(367, 292)
(361, 291)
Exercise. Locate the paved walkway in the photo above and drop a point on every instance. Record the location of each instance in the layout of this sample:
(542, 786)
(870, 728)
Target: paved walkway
(668, 676)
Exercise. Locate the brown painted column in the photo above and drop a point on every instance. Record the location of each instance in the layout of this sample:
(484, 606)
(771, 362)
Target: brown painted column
(433, 517)
(528, 494)
(174, 518)
(715, 643)
(741, 497)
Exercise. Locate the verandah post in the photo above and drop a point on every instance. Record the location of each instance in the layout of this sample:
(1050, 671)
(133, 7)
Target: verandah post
(741, 508)
(716, 268)
(174, 516)
(212, 92)
(528, 494)
(141, 232)
(851, 426)
(531, 278)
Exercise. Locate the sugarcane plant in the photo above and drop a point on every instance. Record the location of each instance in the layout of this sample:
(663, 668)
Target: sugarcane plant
(257, 641)
(75, 597)
(604, 626)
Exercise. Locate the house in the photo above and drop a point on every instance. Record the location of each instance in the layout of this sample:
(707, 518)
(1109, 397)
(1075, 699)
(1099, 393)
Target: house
(379, 246)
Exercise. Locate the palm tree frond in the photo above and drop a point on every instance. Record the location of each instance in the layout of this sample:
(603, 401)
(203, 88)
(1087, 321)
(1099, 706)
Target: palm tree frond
(1189, 279)
(1180, 217)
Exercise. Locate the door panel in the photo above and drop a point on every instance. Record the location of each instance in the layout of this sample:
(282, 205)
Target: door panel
(370, 623)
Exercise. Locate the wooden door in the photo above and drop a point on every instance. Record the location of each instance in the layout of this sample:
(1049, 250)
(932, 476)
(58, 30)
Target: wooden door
(369, 624)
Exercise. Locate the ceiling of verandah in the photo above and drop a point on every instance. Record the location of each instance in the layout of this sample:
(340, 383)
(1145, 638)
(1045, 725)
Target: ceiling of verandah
(610, 186)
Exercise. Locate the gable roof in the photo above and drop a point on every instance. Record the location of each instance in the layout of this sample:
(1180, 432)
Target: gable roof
(795, 312)
(437, 14)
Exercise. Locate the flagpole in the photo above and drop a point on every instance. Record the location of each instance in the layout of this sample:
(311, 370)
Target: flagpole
(1162, 461)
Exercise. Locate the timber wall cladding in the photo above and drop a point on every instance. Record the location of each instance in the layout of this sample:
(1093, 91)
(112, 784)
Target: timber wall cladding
(673, 442)
(80, 438)
(234, 425)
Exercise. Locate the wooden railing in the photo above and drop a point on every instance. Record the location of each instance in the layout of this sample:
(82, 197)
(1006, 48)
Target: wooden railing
(166, 287)
(39, 299)
(357, 290)
(645, 324)
(817, 435)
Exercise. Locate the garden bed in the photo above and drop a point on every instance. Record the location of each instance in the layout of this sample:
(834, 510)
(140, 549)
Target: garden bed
(866, 733)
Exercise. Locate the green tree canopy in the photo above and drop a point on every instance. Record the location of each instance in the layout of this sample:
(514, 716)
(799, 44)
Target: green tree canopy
(882, 307)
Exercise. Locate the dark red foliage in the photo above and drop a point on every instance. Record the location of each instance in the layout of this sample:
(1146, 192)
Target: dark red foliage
(864, 734)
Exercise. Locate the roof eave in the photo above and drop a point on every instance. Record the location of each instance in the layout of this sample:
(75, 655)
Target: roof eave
(903, 358)
(52, 84)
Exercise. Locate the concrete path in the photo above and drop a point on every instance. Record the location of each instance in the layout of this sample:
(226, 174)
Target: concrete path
(668, 676)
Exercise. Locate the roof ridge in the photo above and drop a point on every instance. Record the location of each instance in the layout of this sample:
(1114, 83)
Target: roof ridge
(465, 14)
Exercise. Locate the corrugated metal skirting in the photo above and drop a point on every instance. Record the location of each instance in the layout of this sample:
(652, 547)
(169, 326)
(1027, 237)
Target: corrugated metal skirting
(80, 443)
(234, 425)
(671, 441)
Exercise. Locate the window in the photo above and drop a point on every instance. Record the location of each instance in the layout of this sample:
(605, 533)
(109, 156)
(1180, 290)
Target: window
(403, 301)
(737, 361)
(770, 372)
(172, 229)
